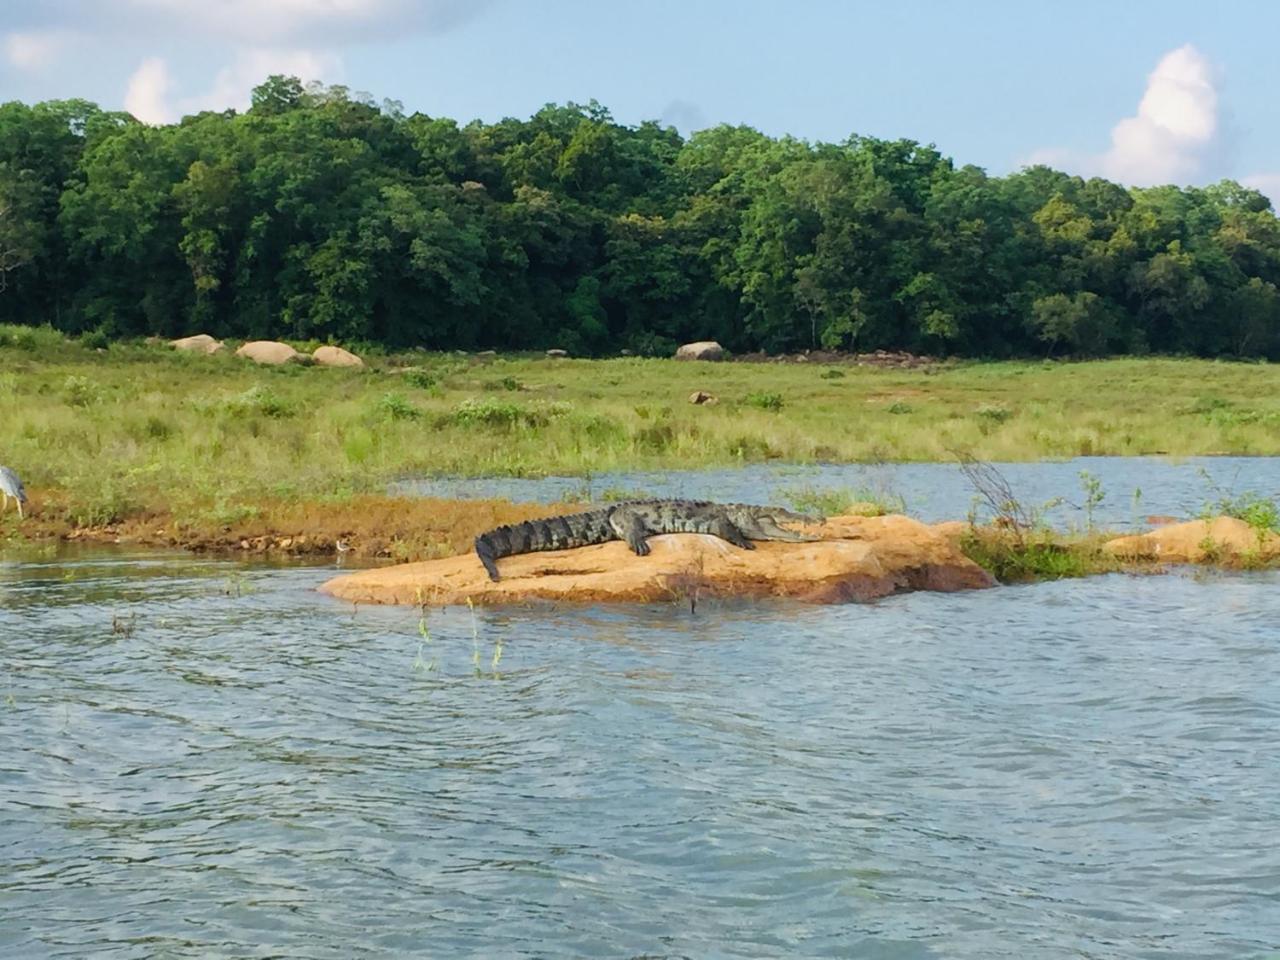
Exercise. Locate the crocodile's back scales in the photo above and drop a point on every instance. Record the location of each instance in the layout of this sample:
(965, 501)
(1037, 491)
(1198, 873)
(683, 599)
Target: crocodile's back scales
(634, 521)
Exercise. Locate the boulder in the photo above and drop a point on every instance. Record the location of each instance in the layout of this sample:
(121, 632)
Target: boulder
(556, 354)
(270, 352)
(200, 343)
(857, 559)
(336, 357)
(702, 350)
(1199, 541)
(700, 397)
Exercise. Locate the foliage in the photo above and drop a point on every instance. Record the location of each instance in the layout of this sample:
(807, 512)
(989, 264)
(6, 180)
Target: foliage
(861, 502)
(765, 400)
(1041, 557)
(320, 215)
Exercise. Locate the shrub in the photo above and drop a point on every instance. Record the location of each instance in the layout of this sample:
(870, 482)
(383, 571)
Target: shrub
(832, 374)
(749, 447)
(80, 391)
(861, 502)
(994, 414)
(95, 339)
(765, 401)
(394, 406)
(258, 401)
(492, 412)
(31, 338)
(506, 383)
(654, 437)
(899, 407)
(422, 379)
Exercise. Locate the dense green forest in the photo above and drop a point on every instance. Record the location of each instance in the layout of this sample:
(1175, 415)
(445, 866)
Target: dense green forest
(322, 215)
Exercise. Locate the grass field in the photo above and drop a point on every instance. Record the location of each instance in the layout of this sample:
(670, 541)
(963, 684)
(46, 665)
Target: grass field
(135, 433)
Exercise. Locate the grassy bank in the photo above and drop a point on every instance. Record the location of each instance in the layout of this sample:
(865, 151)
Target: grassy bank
(221, 448)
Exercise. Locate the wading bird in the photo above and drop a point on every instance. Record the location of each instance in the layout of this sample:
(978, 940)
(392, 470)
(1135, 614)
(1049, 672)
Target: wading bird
(11, 486)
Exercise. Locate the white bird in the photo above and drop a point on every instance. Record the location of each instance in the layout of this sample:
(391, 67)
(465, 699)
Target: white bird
(11, 486)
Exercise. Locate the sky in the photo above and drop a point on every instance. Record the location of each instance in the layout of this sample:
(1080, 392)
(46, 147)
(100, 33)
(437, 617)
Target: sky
(1142, 92)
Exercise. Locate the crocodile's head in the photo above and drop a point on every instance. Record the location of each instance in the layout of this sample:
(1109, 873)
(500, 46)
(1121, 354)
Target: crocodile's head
(783, 515)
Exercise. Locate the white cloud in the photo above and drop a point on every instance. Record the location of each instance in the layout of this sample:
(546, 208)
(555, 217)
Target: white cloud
(1170, 139)
(1175, 126)
(34, 49)
(147, 96)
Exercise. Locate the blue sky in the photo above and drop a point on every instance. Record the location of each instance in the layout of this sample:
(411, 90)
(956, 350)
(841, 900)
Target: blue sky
(1139, 91)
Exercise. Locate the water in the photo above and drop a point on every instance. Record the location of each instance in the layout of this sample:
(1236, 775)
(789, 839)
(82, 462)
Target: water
(931, 491)
(246, 768)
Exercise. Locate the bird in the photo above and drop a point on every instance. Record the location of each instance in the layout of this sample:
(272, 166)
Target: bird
(11, 486)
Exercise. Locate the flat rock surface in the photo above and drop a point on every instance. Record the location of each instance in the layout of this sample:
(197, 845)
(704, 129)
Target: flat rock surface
(1197, 541)
(858, 559)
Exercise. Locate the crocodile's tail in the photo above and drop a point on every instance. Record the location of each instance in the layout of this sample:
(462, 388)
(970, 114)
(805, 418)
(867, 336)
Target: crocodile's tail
(553, 533)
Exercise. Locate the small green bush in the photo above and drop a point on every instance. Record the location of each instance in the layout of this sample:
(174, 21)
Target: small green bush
(20, 337)
(80, 391)
(654, 437)
(258, 401)
(862, 501)
(492, 412)
(899, 407)
(394, 406)
(422, 379)
(765, 401)
(95, 339)
(506, 383)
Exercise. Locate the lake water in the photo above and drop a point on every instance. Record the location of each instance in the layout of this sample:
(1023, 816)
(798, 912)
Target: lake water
(242, 767)
(931, 491)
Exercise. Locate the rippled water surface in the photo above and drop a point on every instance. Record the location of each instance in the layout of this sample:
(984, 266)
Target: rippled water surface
(246, 768)
(1132, 487)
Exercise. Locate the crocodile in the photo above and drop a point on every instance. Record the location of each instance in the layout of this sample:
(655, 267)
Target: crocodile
(633, 521)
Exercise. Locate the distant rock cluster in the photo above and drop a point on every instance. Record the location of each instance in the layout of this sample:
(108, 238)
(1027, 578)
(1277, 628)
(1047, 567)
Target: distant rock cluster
(271, 353)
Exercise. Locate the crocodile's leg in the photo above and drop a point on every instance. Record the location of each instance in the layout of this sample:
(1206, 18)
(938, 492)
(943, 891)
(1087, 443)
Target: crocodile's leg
(724, 528)
(487, 551)
(630, 528)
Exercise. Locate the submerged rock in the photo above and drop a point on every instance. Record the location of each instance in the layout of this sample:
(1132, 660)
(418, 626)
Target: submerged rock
(1199, 541)
(857, 559)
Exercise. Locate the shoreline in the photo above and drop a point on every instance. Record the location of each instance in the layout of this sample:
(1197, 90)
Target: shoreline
(415, 530)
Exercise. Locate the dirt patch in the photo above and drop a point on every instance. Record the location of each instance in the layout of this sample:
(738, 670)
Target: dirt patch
(399, 528)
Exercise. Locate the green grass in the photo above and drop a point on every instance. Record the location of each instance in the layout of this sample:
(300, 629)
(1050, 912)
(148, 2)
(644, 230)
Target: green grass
(135, 427)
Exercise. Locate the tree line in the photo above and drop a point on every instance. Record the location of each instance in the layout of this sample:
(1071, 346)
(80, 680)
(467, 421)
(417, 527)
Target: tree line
(319, 214)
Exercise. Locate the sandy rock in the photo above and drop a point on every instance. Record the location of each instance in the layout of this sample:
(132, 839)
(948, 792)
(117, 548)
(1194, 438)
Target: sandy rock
(1196, 542)
(702, 350)
(860, 558)
(269, 352)
(700, 397)
(336, 357)
(200, 343)
(953, 530)
(557, 354)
